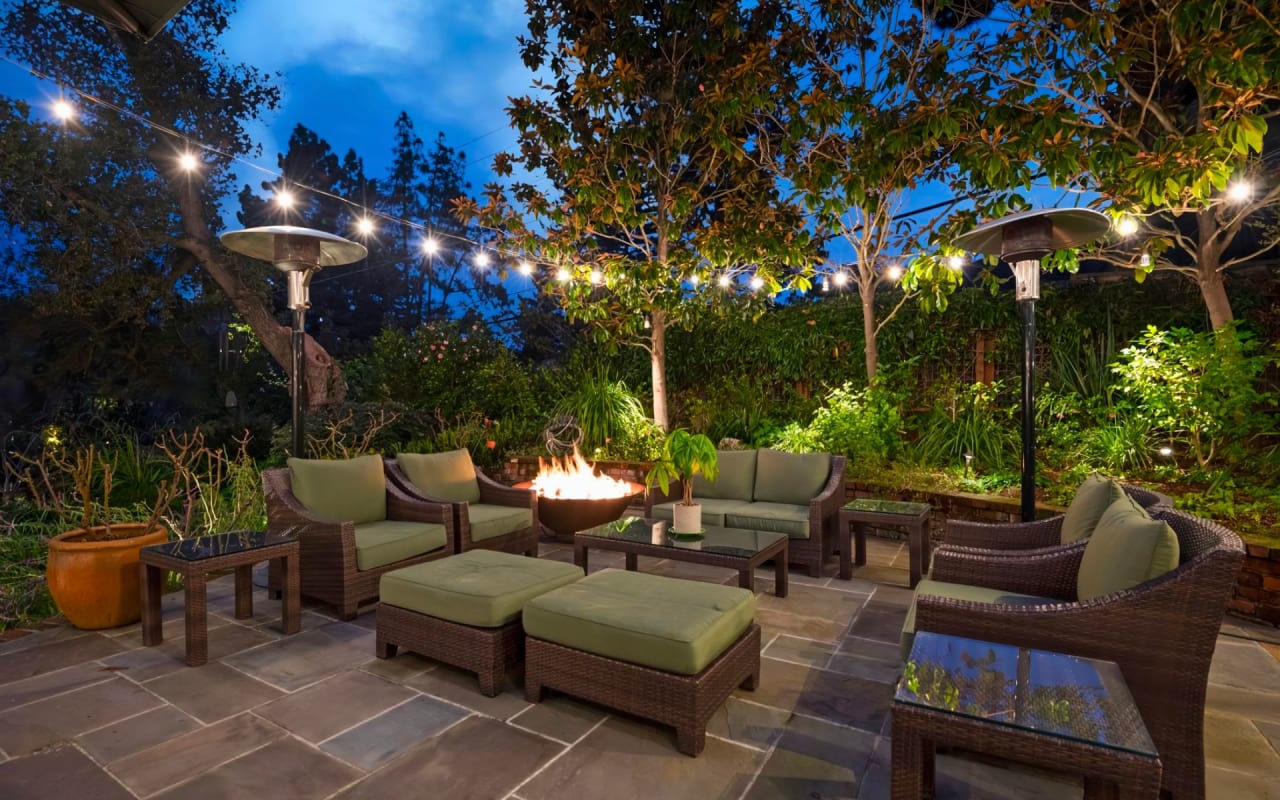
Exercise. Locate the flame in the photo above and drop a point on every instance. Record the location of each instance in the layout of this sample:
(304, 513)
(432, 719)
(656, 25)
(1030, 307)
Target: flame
(573, 477)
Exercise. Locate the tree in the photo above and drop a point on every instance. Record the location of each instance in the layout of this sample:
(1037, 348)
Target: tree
(1161, 109)
(647, 133)
(883, 112)
(109, 215)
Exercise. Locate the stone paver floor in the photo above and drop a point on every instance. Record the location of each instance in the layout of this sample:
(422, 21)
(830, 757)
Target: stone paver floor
(96, 716)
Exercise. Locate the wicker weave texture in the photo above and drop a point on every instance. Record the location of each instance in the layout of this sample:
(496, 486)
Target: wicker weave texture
(520, 542)
(685, 702)
(488, 652)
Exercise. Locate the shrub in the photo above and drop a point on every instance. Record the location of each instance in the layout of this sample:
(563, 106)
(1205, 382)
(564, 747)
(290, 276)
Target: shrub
(604, 408)
(863, 424)
(974, 425)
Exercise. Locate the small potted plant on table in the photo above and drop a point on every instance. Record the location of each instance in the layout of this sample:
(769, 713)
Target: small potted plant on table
(684, 455)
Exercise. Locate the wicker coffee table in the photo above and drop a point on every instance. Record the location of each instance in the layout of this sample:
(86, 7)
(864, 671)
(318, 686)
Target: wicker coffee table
(732, 548)
(913, 517)
(194, 559)
(1051, 710)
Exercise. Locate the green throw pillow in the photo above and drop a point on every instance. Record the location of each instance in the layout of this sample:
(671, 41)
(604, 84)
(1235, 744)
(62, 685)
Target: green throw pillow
(1126, 549)
(1093, 497)
(350, 490)
(446, 476)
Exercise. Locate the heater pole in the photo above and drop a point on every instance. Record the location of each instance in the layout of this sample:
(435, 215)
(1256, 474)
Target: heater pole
(1028, 307)
(297, 382)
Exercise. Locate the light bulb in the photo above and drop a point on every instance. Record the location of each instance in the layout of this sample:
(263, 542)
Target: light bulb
(1126, 226)
(826, 285)
(63, 110)
(756, 282)
(188, 162)
(284, 198)
(693, 280)
(526, 268)
(1145, 260)
(365, 225)
(1239, 191)
(481, 260)
(724, 281)
(894, 272)
(562, 275)
(954, 262)
(430, 246)
(841, 278)
(596, 277)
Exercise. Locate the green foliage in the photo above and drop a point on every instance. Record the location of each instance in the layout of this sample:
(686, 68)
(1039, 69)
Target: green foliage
(24, 538)
(971, 424)
(863, 424)
(684, 455)
(604, 408)
(1199, 389)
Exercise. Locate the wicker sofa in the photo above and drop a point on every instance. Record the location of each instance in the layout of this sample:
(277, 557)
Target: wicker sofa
(1161, 632)
(798, 494)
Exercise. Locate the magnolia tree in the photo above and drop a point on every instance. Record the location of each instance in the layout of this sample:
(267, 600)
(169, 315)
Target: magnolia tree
(643, 141)
(1162, 111)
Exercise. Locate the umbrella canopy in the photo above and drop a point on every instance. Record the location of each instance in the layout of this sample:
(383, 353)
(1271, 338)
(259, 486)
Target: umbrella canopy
(145, 18)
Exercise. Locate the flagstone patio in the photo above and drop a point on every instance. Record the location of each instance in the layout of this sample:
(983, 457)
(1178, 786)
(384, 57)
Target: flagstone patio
(315, 715)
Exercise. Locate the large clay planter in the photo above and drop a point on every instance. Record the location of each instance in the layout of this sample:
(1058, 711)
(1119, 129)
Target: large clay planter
(95, 584)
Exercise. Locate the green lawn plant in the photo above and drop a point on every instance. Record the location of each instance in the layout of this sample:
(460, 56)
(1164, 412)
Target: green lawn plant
(684, 455)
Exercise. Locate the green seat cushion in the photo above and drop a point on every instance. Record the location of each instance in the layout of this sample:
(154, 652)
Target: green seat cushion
(774, 517)
(381, 543)
(1093, 497)
(735, 477)
(664, 623)
(961, 591)
(714, 511)
(446, 476)
(347, 490)
(484, 588)
(489, 521)
(790, 478)
(1126, 549)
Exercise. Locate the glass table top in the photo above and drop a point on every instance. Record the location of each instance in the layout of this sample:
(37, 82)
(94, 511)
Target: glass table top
(220, 544)
(887, 507)
(1074, 698)
(719, 541)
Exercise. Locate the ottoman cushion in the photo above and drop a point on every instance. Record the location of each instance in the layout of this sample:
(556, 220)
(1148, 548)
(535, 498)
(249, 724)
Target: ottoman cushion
(665, 623)
(484, 588)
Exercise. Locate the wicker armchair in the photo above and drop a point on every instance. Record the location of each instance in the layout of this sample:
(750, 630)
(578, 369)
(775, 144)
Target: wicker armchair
(1162, 633)
(521, 541)
(1035, 534)
(327, 547)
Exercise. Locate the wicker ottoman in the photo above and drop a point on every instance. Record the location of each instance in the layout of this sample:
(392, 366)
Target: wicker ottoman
(465, 610)
(661, 648)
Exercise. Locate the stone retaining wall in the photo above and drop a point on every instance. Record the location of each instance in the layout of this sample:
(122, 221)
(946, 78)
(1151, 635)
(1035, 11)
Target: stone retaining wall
(1257, 592)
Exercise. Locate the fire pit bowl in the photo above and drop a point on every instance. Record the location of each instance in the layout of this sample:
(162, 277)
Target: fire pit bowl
(565, 516)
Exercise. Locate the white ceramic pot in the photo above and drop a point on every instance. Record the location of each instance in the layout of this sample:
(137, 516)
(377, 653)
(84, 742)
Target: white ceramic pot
(688, 519)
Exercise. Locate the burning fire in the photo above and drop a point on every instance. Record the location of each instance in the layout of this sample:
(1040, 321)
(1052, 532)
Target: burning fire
(573, 477)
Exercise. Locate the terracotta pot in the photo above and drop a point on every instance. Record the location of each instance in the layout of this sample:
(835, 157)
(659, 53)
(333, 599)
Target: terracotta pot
(96, 584)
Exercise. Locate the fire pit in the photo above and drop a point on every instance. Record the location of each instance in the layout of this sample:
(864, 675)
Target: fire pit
(572, 497)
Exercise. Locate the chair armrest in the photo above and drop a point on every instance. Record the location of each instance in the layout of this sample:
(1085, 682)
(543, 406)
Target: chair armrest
(1049, 572)
(824, 508)
(403, 506)
(1005, 536)
(498, 494)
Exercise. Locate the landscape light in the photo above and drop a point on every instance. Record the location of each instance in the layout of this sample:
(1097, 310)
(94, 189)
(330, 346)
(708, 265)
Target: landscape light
(284, 198)
(525, 268)
(365, 226)
(430, 246)
(955, 262)
(1239, 191)
(1126, 225)
(1166, 451)
(63, 110)
(724, 281)
(188, 162)
(481, 260)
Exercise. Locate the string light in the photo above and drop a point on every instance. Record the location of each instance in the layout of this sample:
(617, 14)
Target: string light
(724, 281)
(693, 281)
(526, 268)
(756, 283)
(841, 278)
(284, 198)
(430, 246)
(1239, 191)
(894, 272)
(954, 262)
(595, 277)
(481, 260)
(365, 226)
(63, 110)
(1126, 225)
(562, 275)
(188, 162)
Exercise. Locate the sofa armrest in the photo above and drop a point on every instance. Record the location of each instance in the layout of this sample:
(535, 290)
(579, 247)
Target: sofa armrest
(1049, 572)
(286, 515)
(1005, 536)
(824, 508)
(498, 494)
(403, 506)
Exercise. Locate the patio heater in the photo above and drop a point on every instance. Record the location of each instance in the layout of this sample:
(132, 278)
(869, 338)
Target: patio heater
(1023, 239)
(299, 253)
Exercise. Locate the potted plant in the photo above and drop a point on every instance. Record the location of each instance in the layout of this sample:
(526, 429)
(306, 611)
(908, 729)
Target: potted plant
(684, 455)
(92, 569)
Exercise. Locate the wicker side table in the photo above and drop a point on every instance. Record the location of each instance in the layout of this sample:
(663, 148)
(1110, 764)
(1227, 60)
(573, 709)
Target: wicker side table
(194, 559)
(1051, 710)
(913, 517)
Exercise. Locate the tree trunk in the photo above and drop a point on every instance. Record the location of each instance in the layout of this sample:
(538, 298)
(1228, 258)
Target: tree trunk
(658, 363)
(1209, 277)
(322, 376)
(867, 291)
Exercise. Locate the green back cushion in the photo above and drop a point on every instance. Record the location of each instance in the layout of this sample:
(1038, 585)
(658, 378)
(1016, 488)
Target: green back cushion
(447, 476)
(794, 478)
(352, 490)
(734, 480)
(1093, 497)
(1126, 549)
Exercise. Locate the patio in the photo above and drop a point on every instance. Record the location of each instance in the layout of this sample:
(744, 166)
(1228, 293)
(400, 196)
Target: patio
(315, 715)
